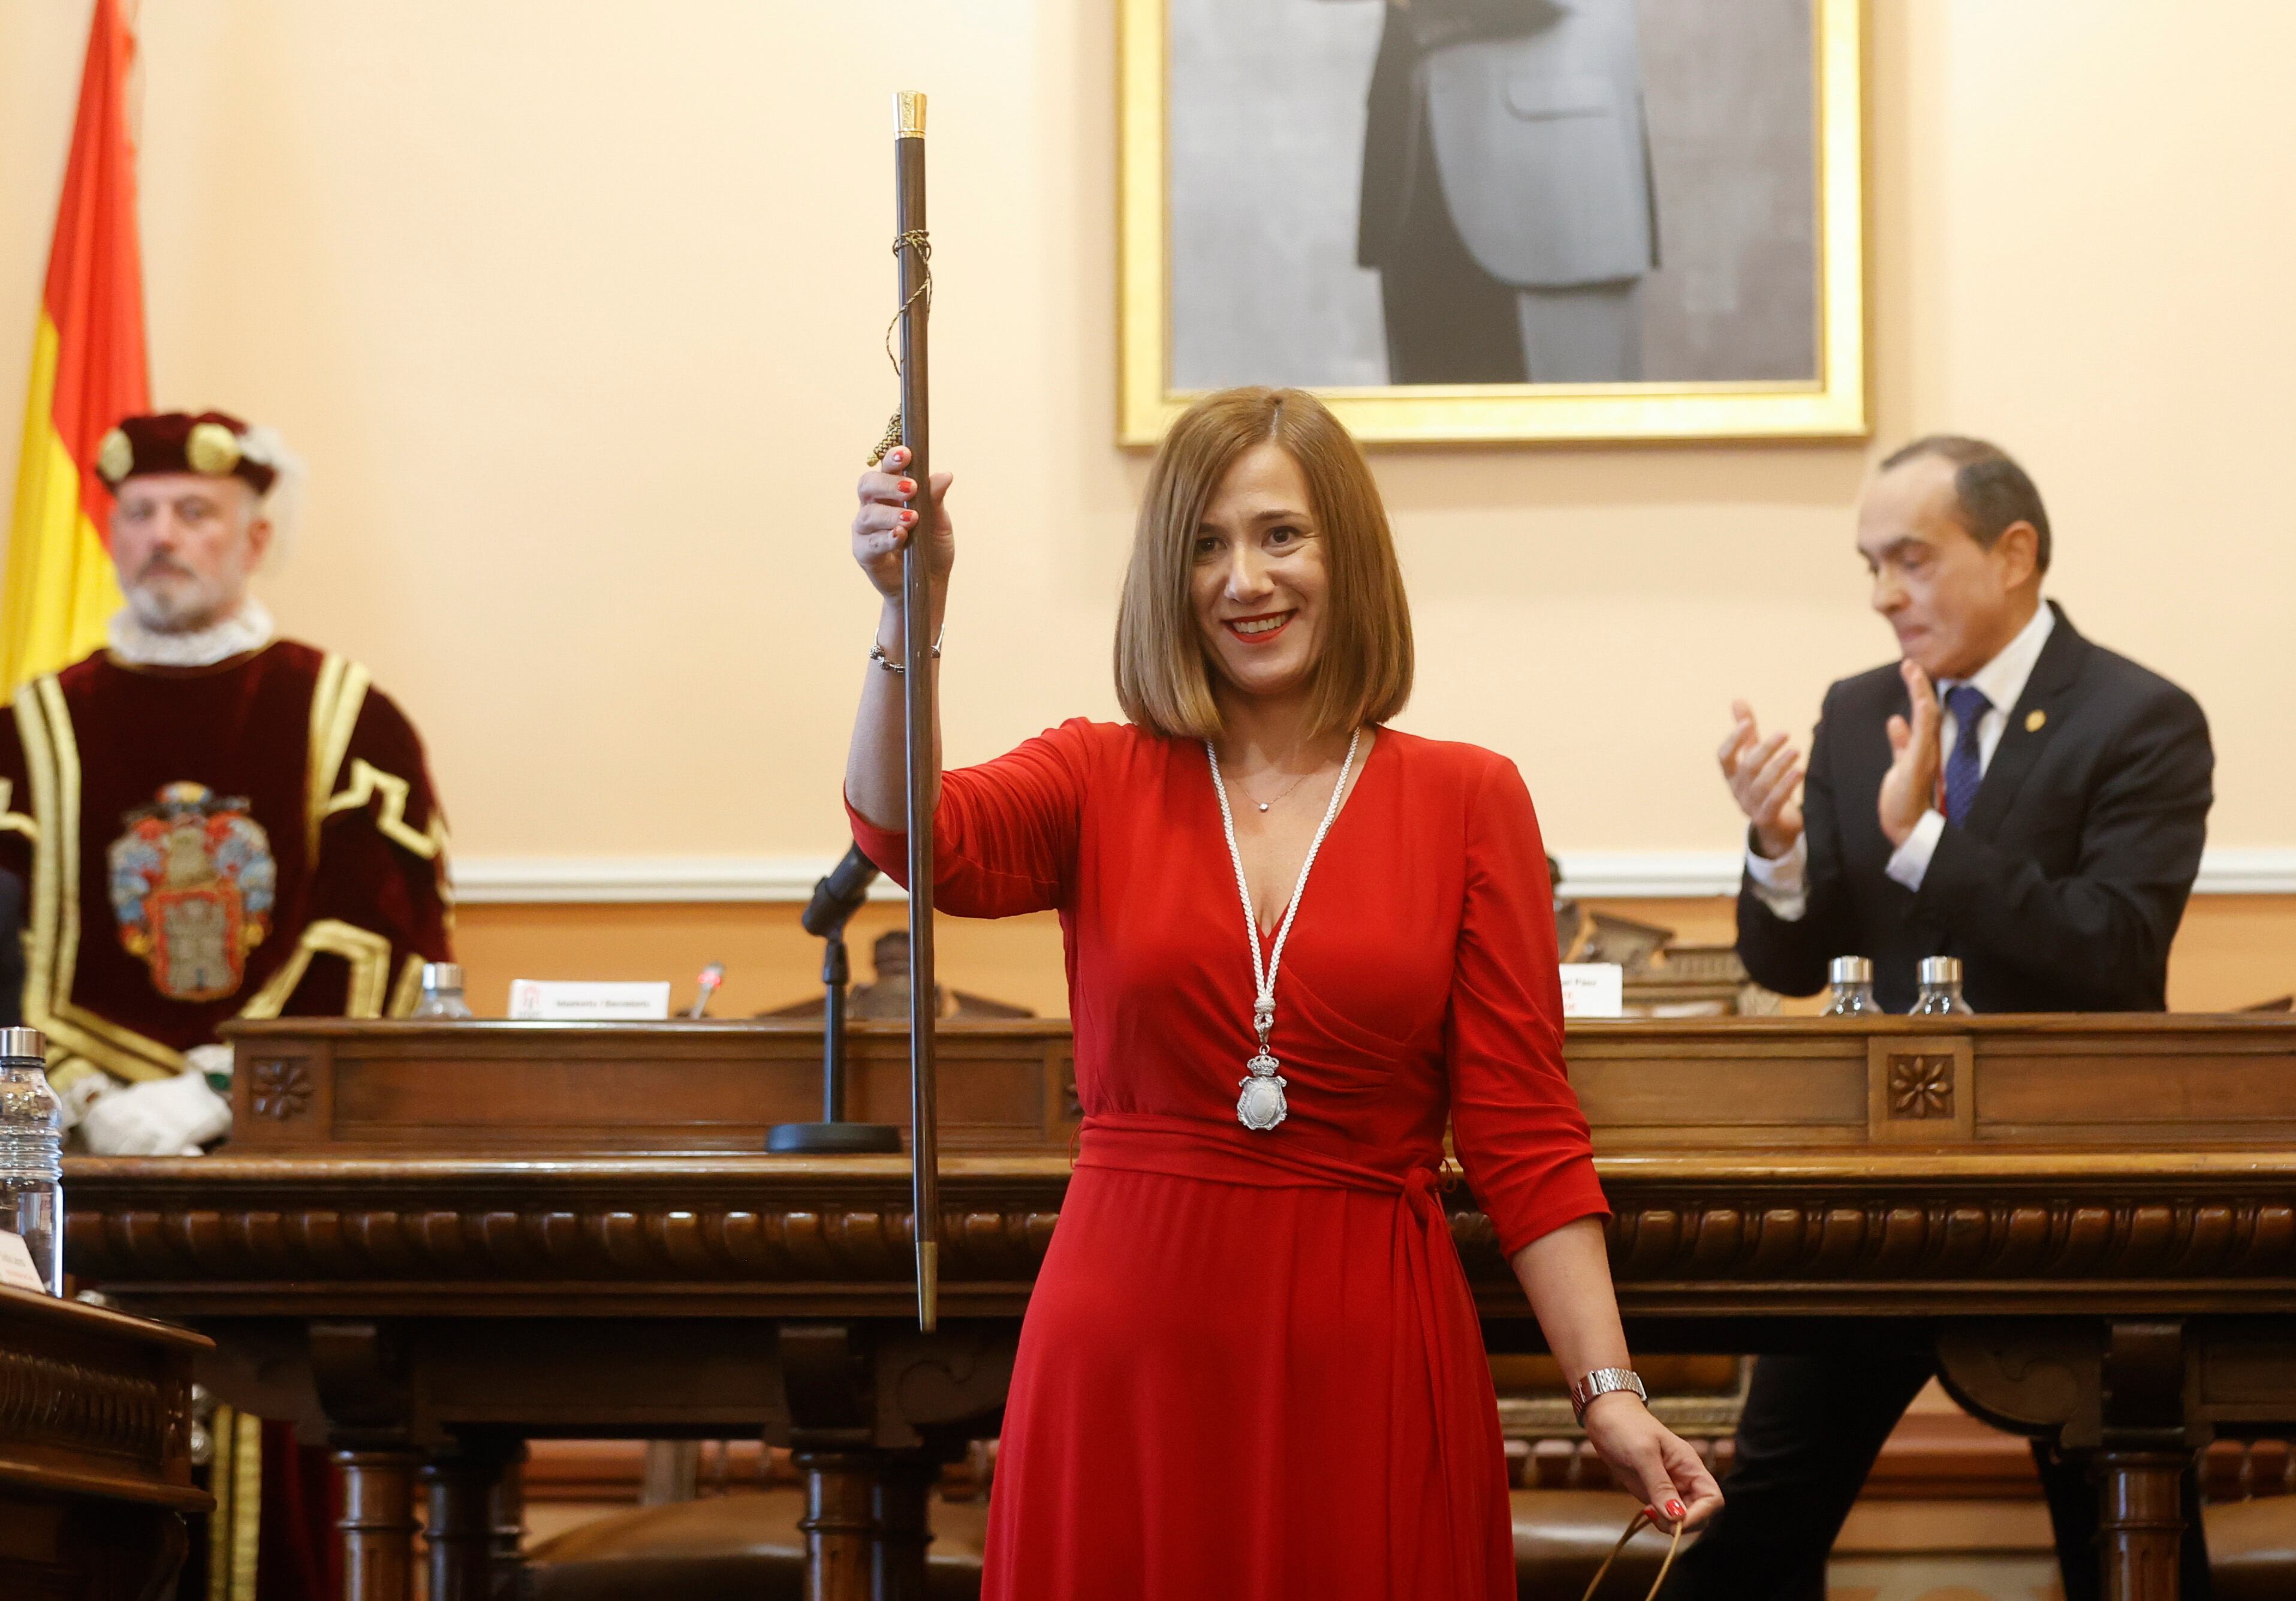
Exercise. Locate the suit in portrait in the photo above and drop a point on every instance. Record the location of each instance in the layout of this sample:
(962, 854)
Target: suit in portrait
(2059, 890)
(1506, 197)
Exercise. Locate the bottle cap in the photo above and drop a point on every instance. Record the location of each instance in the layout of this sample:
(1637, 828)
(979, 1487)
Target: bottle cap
(1849, 970)
(17, 1044)
(442, 975)
(1941, 970)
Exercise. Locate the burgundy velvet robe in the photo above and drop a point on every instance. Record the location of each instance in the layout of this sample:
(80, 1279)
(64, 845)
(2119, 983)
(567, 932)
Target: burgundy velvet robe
(258, 838)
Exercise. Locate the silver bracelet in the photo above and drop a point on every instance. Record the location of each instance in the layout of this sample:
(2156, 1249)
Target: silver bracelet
(1603, 1381)
(877, 654)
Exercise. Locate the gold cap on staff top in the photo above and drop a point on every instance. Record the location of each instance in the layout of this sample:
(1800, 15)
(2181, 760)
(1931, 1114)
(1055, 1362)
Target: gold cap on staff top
(909, 114)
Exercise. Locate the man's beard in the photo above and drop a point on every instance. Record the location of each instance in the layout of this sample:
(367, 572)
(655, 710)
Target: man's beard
(183, 606)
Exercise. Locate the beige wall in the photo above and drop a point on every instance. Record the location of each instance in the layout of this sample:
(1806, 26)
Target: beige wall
(576, 310)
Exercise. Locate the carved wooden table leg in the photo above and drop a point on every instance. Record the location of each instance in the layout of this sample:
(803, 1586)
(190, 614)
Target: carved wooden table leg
(2142, 1459)
(904, 1529)
(377, 1526)
(460, 1530)
(2140, 1523)
(506, 1512)
(840, 1523)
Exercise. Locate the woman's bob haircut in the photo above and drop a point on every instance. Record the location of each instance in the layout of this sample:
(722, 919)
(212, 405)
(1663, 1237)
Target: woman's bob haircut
(1362, 674)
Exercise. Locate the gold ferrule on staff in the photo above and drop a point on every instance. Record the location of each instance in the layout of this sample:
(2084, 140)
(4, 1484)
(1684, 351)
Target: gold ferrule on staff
(909, 114)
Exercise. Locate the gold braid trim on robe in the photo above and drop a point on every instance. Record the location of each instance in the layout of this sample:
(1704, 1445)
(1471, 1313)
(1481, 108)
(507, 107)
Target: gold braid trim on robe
(335, 705)
(52, 762)
(407, 993)
(369, 955)
(16, 822)
(366, 782)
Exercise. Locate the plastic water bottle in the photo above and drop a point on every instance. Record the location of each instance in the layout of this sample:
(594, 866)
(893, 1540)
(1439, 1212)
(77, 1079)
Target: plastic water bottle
(1852, 978)
(31, 1153)
(1941, 994)
(442, 992)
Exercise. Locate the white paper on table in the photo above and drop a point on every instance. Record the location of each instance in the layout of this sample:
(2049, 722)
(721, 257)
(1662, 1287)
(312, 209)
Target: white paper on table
(17, 1269)
(1594, 989)
(541, 1000)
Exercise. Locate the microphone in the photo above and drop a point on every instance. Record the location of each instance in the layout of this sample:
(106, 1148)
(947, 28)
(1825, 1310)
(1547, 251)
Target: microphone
(712, 976)
(839, 896)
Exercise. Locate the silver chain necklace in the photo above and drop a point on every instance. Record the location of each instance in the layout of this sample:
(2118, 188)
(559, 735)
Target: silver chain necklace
(1260, 1105)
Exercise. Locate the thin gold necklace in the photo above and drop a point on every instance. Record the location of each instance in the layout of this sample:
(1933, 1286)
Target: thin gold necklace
(1263, 805)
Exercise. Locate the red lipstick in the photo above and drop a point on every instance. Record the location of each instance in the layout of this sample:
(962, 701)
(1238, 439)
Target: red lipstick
(1260, 636)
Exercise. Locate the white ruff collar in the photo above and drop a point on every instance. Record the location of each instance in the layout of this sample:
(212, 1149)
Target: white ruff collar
(250, 629)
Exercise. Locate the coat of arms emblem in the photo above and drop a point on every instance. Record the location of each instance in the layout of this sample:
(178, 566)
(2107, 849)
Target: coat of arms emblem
(193, 882)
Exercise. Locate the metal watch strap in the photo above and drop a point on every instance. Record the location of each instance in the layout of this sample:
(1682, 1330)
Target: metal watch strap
(1603, 1381)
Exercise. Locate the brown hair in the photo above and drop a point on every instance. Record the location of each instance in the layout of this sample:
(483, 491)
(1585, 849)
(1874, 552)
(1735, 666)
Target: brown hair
(1363, 673)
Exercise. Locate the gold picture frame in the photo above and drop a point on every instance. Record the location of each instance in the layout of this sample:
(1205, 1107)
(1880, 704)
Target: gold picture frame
(1833, 406)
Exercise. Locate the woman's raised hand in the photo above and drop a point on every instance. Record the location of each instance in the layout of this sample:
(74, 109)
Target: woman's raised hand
(881, 527)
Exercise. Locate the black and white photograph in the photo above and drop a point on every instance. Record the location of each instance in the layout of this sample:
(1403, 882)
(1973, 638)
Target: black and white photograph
(1518, 196)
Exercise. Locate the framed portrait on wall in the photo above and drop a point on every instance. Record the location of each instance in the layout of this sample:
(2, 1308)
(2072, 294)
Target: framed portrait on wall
(1491, 221)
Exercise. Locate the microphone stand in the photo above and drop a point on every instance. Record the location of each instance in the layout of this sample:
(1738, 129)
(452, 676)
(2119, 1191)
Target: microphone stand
(835, 898)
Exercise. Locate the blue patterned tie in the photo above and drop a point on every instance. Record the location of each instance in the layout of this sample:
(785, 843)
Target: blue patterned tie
(1965, 767)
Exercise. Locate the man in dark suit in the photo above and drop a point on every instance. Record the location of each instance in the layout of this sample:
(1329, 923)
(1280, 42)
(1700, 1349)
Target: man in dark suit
(2008, 793)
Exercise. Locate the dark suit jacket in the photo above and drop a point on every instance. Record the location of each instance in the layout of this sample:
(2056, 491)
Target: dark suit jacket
(2064, 886)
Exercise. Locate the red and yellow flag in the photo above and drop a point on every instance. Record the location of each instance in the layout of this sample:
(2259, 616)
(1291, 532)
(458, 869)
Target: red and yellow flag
(89, 371)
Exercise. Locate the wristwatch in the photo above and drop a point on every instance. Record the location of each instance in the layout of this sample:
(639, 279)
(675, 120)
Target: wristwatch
(1602, 1382)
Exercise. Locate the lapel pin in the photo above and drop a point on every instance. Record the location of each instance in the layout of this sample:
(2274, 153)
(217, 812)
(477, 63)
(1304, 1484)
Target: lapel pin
(2034, 720)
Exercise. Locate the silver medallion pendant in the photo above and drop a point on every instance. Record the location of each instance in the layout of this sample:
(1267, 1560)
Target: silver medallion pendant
(1261, 1105)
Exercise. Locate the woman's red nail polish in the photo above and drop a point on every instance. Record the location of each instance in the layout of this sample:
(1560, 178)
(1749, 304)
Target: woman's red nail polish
(1674, 1509)
(909, 486)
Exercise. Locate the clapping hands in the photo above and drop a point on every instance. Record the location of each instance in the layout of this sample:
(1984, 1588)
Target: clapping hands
(1909, 788)
(1765, 777)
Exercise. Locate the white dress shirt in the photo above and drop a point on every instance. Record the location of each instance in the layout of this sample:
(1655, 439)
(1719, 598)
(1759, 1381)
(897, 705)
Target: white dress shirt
(1783, 882)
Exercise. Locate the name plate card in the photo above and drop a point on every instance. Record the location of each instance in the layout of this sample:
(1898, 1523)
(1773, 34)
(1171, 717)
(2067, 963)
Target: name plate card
(1594, 989)
(18, 1271)
(539, 1001)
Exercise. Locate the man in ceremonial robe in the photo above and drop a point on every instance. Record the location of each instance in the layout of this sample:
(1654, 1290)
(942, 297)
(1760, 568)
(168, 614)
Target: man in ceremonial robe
(2009, 793)
(211, 822)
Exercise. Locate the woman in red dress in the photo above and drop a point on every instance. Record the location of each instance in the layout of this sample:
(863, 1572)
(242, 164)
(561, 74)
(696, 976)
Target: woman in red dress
(1298, 943)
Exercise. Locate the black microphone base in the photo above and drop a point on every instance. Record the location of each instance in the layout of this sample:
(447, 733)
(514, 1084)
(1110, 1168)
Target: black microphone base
(832, 1139)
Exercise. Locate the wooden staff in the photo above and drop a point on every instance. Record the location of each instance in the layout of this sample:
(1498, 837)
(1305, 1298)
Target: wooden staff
(915, 252)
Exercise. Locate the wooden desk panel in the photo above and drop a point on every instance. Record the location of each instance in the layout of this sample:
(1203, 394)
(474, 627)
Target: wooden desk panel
(2134, 1081)
(319, 1084)
(95, 1469)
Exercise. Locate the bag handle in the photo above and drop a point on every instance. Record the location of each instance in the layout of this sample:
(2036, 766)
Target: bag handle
(1633, 1529)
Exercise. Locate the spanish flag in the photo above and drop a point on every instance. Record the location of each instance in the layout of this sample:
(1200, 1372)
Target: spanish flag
(89, 371)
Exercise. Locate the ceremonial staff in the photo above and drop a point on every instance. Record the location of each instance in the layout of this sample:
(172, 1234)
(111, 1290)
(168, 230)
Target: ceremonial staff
(913, 250)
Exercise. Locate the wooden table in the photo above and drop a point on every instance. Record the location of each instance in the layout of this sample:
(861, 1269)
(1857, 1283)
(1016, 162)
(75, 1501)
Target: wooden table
(2096, 1216)
(96, 1466)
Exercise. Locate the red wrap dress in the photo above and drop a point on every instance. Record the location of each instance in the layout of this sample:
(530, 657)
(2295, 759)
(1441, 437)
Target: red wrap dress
(1251, 1367)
